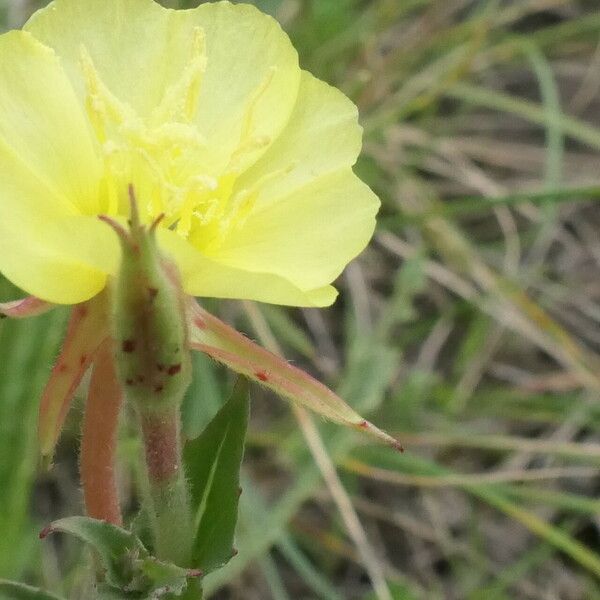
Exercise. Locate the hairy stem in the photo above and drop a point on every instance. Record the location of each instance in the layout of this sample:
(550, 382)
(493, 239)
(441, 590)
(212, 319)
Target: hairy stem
(98, 443)
(154, 367)
(169, 504)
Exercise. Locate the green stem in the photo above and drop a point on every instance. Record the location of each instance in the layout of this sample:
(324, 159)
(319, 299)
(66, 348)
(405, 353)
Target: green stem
(193, 591)
(169, 504)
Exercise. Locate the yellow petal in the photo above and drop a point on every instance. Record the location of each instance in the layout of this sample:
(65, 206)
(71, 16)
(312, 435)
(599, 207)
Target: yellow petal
(322, 136)
(49, 174)
(142, 51)
(202, 276)
(42, 123)
(298, 214)
(126, 40)
(309, 236)
(252, 77)
(64, 260)
(313, 215)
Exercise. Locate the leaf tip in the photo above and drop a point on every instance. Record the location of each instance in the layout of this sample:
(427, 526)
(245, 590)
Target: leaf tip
(397, 446)
(369, 428)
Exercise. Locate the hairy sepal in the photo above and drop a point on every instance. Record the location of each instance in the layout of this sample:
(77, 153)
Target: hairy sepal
(226, 345)
(87, 329)
(149, 321)
(24, 307)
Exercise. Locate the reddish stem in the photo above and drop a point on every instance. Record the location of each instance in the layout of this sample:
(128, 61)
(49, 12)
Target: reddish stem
(168, 502)
(99, 440)
(162, 446)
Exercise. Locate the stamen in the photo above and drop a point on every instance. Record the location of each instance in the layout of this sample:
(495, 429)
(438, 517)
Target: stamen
(256, 96)
(134, 214)
(157, 200)
(180, 101)
(243, 200)
(194, 195)
(102, 105)
(163, 153)
(249, 142)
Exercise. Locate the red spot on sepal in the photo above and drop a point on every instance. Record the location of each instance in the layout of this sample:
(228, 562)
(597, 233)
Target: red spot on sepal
(128, 346)
(174, 369)
(198, 322)
(262, 375)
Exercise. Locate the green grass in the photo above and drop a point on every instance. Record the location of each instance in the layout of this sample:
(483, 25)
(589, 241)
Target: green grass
(470, 326)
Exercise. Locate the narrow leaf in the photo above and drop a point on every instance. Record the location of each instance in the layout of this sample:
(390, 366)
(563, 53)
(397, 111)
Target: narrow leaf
(213, 466)
(12, 590)
(25, 307)
(205, 396)
(86, 330)
(27, 349)
(226, 345)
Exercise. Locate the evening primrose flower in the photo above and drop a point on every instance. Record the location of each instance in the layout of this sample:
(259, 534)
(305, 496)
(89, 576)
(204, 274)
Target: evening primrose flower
(207, 114)
(196, 133)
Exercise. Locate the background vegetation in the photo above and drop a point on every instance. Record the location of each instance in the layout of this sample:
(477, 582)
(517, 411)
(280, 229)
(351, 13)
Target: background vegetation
(469, 329)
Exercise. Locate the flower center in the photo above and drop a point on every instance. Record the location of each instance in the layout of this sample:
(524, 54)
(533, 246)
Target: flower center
(166, 157)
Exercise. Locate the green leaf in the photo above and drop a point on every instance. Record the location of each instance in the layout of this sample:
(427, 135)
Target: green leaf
(116, 547)
(129, 566)
(12, 590)
(27, 349)
(204, 398)
(213, 470)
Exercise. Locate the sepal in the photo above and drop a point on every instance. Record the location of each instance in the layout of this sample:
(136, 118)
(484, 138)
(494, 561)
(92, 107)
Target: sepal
(24, 307)
(86, 330)
(226, 345)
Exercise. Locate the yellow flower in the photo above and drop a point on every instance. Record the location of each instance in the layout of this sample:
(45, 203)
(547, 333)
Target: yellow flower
(207, 114)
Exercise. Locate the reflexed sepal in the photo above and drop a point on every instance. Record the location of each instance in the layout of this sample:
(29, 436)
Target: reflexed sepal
(87, 329)
(226, 345)
(25, 307)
